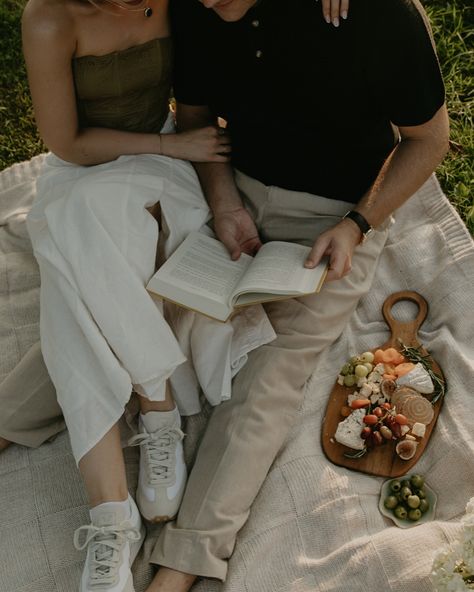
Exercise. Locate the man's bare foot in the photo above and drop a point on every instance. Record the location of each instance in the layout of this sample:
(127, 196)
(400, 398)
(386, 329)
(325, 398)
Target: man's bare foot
(4, 444)
(170, 580)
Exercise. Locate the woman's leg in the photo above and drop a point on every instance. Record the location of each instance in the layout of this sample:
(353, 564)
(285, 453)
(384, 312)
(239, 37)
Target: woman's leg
(115, 534)
(162, 475)
(103, 470)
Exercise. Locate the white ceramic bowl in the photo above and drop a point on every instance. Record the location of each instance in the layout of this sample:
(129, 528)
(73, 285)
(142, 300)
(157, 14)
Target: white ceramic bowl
(428, 515)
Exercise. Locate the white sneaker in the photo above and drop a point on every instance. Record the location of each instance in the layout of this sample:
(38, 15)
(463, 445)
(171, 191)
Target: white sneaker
(113, 541)
(162, 475)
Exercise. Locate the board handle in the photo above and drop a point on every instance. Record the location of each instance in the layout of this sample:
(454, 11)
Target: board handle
(406, 332)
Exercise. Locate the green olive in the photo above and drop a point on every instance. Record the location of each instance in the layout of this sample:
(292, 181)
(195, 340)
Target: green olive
(413, 501)
(414, 514)
(421, 493)
(417, 481)
(424, 506)
(390, 502)
(406, 483)
(395, 485)
(400, 512)
(405, 493)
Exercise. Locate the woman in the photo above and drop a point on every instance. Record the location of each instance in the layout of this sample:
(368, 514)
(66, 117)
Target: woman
(100, 78)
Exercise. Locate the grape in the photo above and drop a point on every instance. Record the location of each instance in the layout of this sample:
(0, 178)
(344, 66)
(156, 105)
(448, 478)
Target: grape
(367, 357)
(349, 380)
(386, 432)
(346, 369)
(361, 371)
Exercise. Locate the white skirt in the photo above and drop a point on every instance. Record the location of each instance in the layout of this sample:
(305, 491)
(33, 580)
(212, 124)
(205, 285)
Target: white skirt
(102, 335)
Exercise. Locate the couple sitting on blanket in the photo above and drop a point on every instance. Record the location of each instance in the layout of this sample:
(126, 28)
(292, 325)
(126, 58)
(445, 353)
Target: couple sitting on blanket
(332, 129)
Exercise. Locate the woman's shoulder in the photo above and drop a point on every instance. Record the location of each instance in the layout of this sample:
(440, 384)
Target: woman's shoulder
(50, 20)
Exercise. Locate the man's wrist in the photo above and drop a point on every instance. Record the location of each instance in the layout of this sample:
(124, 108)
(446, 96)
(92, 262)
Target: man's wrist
(353, 229)
(361, 222)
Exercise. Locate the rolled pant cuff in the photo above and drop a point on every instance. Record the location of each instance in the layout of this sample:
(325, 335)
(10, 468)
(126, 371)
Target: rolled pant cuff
(188, 551)
(32, 438)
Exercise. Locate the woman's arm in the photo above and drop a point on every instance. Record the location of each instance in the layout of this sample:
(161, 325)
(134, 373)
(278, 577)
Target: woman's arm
(49, 43)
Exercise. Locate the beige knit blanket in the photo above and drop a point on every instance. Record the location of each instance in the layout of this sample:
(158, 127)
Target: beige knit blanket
(314, 527)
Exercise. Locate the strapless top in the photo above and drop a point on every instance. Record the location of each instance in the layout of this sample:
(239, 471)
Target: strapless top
(126, 90)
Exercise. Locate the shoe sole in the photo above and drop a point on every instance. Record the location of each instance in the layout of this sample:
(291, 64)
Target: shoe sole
(160, 519)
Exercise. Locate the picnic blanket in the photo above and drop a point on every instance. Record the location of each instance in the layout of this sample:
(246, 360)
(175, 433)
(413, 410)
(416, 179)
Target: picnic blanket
(314, 526)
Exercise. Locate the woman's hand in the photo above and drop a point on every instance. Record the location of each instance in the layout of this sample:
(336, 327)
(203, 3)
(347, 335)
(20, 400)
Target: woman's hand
(207, 144)
(333, 9)
(337, 243)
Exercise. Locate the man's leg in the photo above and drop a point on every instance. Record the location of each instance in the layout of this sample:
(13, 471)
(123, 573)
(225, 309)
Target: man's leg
(245, 433)
(30, 412)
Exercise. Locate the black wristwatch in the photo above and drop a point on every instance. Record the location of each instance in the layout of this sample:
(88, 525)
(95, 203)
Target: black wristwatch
(361, 222)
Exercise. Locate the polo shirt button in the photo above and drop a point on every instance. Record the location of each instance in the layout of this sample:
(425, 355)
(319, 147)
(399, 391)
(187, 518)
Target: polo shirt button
(256, 23)
(258, 53)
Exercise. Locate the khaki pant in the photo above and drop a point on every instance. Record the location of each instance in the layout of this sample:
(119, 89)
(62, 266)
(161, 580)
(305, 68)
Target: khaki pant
(245, 433)
(30, 413)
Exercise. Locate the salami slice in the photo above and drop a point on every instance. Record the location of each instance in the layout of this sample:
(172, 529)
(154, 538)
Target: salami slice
(417, 409)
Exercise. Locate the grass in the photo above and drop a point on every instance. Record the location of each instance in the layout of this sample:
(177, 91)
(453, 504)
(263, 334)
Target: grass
(453, 29)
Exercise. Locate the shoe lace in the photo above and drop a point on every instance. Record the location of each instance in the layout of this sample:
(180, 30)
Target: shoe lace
(157, 448)
(106, 543)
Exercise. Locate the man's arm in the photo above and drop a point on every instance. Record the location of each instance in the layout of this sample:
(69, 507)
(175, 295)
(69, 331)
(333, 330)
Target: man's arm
(232, 222)
(421, 149)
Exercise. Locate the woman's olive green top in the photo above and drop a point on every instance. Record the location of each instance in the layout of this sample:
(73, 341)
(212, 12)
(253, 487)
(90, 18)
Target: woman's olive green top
(126, 90)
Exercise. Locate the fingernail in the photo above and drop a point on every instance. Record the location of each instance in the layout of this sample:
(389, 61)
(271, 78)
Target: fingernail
(344, 14)
(327, 19)
(335, 22)
(308, 263)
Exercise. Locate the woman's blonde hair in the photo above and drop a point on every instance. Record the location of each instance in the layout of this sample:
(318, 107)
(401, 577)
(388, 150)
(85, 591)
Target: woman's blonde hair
(125, 4)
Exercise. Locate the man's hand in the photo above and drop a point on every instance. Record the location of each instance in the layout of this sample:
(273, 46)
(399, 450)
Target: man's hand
(337, 243)
(237, 230)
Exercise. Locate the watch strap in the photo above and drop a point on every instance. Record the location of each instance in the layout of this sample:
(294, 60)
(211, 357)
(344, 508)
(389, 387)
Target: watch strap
(361, 222)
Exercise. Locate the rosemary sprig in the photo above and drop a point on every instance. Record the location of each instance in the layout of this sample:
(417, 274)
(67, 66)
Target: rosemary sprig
(415, 355)
(358, 454)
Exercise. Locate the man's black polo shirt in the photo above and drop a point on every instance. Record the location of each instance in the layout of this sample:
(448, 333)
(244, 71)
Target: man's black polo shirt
(309, 106)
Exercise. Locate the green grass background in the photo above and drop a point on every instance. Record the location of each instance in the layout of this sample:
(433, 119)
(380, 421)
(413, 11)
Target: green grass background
(453, 29)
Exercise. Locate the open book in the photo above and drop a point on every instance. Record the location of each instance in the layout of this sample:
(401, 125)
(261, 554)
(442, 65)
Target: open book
(201, 276)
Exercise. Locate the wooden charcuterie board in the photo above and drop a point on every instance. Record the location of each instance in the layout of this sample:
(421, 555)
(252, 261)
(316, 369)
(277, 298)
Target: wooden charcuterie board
(381, 460)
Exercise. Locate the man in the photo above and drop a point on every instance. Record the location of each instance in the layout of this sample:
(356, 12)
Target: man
(323, 121)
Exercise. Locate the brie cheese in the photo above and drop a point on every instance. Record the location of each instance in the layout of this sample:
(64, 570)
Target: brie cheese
(418, 379)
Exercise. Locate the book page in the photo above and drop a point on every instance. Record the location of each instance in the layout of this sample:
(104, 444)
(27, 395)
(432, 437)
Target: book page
(202, 265)
(278, 268)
